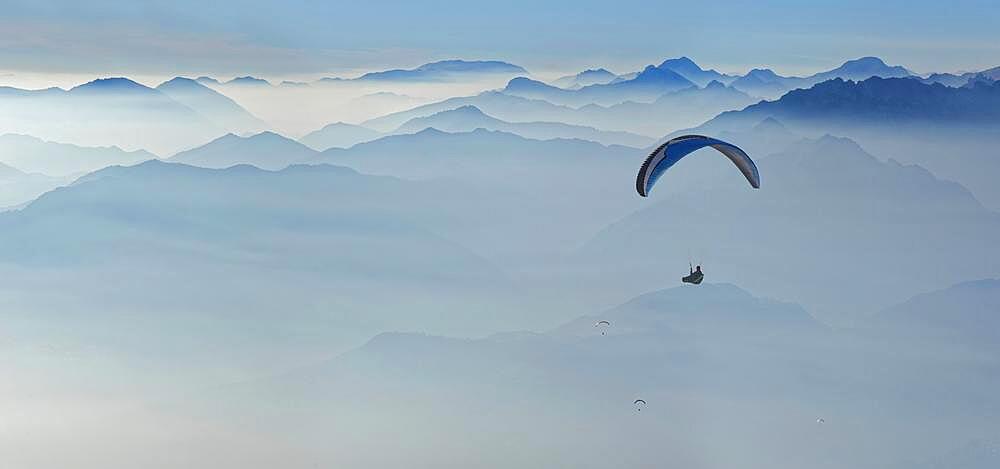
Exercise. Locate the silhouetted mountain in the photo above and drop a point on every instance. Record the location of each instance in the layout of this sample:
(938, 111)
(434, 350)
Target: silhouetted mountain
(18, 187)
(340, 135)
(949, 79)
(469, 118)
(446, 70)
(767, 137)
(207, 80)
(648, 85)
(247, 81)
(499, 105)
(836, 104)
(245, 246)
(761, 82)
(211, 104)
(860, 70)
(585, 78)
(690, 70)
(266, 150)
(951, 131)
(670, 111)
(34, 155)
(966, 313)
(109, 111)
(510, 175)
(767, 84)
(488, 155)
(984, 78)
(707, 309)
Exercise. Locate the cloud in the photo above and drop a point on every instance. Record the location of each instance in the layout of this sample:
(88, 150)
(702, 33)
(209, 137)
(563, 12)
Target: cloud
(48, 47)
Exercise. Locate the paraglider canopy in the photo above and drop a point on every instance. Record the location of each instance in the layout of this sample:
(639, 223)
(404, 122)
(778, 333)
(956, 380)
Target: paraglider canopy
(602, 324)
(639, 404)
(669, 153)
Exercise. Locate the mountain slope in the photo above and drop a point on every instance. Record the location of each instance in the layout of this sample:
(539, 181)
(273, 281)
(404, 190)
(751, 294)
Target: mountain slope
(469, 118)
(648, 85)
(340, 135)
(34, 155)
(767, 84)
(211, 104)
(587, 77)
(105, 112)
(951, 131)
(690, 70)
(242, 246)
(18, 187)
(266, 150)
(497, 104)
(968, 313)
(446, 70)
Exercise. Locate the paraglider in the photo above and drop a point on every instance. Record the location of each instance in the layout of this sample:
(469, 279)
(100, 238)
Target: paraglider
(665, 155)
(695, 276)
(602, 325)
(821, 420)
(639, 404)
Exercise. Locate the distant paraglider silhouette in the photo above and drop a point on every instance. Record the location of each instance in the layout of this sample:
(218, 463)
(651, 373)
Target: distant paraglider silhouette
(639, 404)
(602, 325)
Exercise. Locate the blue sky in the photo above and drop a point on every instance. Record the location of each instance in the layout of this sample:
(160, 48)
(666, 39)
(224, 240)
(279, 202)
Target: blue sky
(311, 38)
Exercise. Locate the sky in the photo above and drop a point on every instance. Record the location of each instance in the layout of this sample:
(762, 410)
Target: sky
(52, 42)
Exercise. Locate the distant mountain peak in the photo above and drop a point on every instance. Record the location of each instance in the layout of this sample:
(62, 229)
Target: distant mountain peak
(181, 82)
(467, 109)
(248, 80)
(863, 68)
(682, 61)
(207, 80)
(715, 84)
(770, 124)
(113, 84)
(444, 68)
(653, 74)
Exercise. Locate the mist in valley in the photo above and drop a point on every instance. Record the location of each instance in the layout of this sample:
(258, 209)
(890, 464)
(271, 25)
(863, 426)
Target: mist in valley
(448, 265)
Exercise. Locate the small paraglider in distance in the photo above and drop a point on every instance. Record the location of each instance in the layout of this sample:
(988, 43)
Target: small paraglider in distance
(602, 325)
(695, 276)
(639, 404)
(669, 153)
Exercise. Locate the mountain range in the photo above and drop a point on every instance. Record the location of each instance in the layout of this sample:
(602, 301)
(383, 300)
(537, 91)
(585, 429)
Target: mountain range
(469, 118)
(951, 131)
(445, 70)
(593, 76)
(214, 106)
(266, 150)
(340, 135)
(648, 85)
(111, 111)
(34, 155)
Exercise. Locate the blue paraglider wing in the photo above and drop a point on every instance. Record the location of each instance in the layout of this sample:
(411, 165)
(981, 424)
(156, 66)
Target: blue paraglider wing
(664, 156)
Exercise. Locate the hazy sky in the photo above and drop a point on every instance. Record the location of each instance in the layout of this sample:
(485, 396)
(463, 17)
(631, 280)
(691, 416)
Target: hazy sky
(59, 40)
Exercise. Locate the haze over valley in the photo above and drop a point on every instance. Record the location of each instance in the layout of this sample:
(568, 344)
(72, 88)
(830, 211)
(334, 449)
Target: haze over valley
(284, 256)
